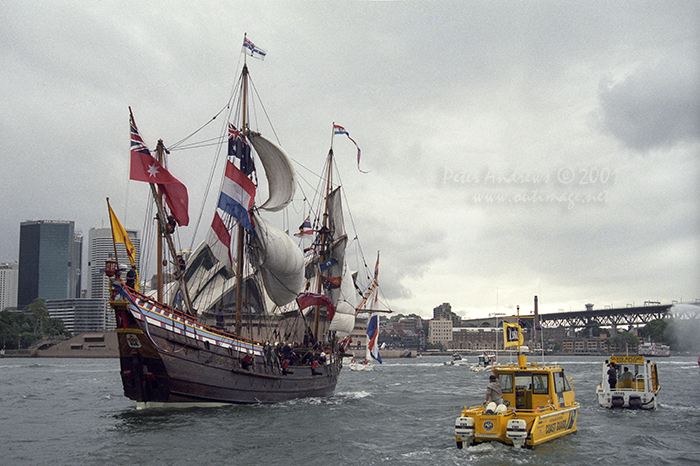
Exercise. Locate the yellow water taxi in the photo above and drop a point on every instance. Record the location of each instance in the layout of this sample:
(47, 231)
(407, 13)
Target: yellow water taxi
(538, 404)
(636, 383)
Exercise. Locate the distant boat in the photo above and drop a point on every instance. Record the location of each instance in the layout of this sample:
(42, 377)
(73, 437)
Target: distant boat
(361, 365)
(654, 349)
(457, 360)
(486, 362)
(636, 384)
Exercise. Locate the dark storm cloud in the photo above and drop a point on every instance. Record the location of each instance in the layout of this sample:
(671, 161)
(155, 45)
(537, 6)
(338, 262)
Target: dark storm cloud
(657, 105)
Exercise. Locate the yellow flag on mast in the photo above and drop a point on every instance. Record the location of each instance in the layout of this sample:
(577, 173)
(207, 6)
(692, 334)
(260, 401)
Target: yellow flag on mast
(120, 236)
(513, 335)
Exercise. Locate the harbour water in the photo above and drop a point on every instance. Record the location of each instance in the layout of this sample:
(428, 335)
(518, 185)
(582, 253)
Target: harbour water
(72, 412)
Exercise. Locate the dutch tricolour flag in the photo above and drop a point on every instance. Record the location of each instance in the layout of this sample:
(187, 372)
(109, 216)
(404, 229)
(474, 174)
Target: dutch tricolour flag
(372, 337)
(235, 200)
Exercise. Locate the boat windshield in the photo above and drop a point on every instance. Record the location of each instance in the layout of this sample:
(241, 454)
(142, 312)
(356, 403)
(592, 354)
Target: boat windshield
(561, 384)
(506, 381)
(540, 384)
(523, 381)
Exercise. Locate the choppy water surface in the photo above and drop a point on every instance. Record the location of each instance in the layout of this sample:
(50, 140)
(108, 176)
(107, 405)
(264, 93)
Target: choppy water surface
(72, 412)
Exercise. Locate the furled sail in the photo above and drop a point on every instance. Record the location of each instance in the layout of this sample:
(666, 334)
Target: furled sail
(344, 320)
(281, 262)
(336, 224)
(338, 242)
(279, 171)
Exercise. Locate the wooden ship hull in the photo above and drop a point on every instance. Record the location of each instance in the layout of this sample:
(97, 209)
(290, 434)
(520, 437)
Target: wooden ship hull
(167, 358)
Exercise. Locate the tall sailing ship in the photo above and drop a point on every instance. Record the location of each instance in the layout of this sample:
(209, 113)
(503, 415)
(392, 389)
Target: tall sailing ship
(251, 317)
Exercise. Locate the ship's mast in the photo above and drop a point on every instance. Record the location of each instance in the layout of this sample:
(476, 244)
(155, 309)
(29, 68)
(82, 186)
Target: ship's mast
(239, 257)
(158, 197)
(161, 235)
(324, 233)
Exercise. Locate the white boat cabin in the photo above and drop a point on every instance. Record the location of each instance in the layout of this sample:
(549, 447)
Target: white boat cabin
(628, 382)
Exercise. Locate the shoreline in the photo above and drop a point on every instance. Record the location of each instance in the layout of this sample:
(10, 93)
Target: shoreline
(105, 345)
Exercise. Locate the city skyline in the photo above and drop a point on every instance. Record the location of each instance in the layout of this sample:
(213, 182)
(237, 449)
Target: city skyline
(46, 247)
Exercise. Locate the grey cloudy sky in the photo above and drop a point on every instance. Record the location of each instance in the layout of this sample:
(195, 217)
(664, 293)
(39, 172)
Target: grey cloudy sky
(513, 148)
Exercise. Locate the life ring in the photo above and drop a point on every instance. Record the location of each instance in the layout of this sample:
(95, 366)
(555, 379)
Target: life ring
(352, 361)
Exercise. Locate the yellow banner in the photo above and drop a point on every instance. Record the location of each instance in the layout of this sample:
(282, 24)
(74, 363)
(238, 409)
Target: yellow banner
(120, 236)
(513, 335)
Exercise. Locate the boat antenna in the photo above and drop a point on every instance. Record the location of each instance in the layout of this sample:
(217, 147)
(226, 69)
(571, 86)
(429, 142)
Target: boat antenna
(522, 358)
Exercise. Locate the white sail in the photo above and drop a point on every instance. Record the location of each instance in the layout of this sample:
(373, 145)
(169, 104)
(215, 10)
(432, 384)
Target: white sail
(281, 262)
(344, 320)
(280, 173)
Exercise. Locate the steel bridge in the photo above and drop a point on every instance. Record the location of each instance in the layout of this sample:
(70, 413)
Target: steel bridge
(590, 318)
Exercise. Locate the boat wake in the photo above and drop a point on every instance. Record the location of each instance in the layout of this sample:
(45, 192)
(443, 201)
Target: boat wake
(352, 395)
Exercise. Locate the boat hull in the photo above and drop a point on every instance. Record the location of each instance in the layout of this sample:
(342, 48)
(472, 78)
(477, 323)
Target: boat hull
(538, 405)
(476, 426)
(626, 399)
(171, 366)
(361, 366)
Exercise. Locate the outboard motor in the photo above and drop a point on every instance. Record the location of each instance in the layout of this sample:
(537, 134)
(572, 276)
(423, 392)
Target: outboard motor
(618, 401)
(516, 432)
(464, 431)
(635, 402)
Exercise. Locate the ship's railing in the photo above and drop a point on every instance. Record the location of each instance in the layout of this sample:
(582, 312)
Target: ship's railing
(141, 299)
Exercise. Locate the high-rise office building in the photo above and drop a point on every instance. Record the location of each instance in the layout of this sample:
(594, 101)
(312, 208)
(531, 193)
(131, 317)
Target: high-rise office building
(46, 261)
(9, 273)
(78, 261)
(101, 248)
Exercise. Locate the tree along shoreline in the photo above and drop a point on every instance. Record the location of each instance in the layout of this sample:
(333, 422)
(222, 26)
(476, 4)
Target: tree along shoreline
(30, 327)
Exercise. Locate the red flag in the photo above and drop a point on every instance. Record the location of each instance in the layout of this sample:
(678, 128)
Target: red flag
(331, 282)
(305, 300)
(144, 167)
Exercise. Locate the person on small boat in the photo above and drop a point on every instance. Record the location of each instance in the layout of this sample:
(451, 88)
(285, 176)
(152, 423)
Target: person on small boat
(493, 391)
(612, 376)
(626, 375)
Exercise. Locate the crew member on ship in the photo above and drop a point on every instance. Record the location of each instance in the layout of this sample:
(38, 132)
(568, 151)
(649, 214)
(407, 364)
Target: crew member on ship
(131, 277)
